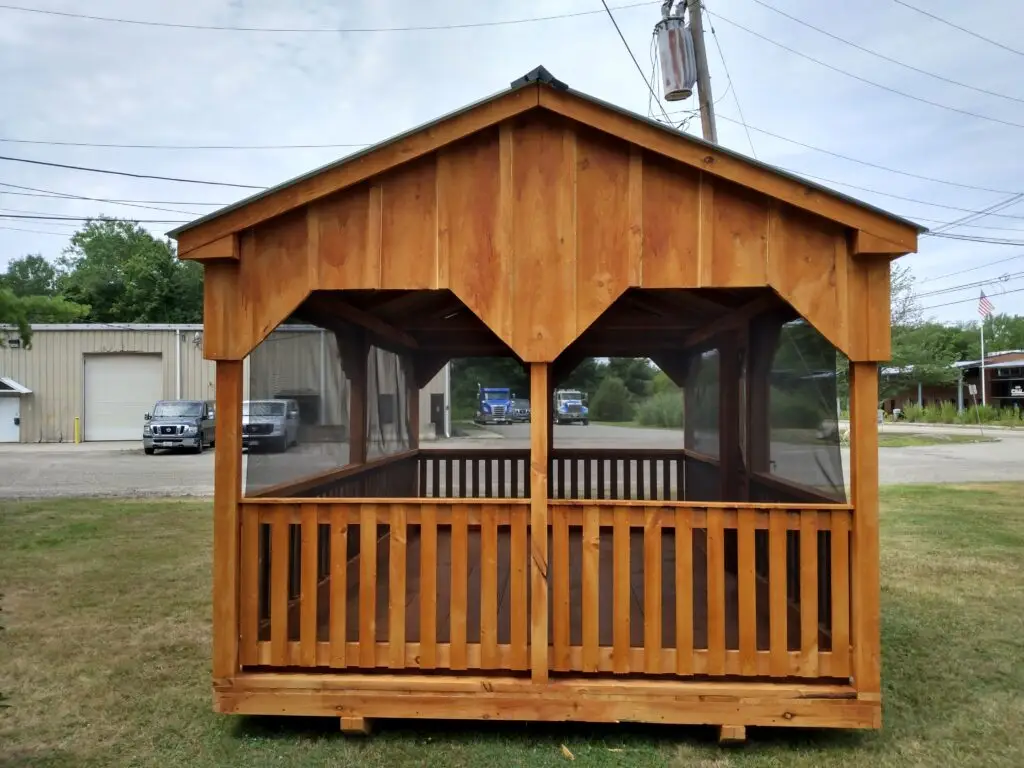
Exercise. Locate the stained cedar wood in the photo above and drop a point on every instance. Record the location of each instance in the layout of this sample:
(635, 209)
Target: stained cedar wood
(606, 258)
(308, 586)
(559, 570)
(226, 494)
(339, 587)
(539, 463)
(279, 592)
(738, 254)
(409, 226)
(543, 239)
(428, 586)
(224, 249)
(809, 595)
(397, 586)
(652, 591)
(865, 590)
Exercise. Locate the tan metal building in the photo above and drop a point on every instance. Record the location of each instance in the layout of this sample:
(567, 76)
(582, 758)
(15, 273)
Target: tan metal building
(108, 376)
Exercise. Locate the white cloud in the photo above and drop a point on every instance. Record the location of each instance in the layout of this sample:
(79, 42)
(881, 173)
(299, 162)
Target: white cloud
(76, 80)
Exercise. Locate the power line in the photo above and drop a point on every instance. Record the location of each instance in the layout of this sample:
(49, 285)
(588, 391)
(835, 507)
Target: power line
(882, 56)
(329, 30)
(964, 301)
(869, 82)
(137, 203)
(37, 231)
(63, 196)
(735, 94)
(973, 269)
(979, 239)
(635, 62)
(968, 226)
(190, 147)
(126, 173)
(1012, 200)
(867, 163)
(978, 284)
(957, 26)
(90, 218)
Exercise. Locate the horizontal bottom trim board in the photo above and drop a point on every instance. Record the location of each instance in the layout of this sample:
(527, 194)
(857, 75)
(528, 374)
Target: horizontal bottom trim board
(597, 701)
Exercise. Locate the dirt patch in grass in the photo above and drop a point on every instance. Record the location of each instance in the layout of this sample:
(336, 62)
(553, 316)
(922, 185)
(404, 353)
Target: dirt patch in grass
(914, 440)
(106, 655)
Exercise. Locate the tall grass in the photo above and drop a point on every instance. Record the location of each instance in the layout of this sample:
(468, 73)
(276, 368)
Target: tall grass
(664, 409)
(946, 413)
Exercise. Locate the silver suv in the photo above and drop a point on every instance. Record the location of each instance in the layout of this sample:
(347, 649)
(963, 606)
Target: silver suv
(179, 424)
(270, 424)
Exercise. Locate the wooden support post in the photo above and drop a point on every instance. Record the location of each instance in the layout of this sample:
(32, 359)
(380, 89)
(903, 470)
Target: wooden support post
(540, 450)
(864, 486)
(731, 478)
(355, 726)
(227, 490)
(413, 394)
(354, 351)
(763, 339)
(732, 734)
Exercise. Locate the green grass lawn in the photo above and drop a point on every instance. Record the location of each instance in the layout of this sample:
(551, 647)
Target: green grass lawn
(106, 653)
(914, 440)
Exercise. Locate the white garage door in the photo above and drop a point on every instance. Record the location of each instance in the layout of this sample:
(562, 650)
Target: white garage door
(119, 391)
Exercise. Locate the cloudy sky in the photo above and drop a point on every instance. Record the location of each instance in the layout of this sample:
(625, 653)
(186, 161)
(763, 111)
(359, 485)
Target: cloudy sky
(87, 81)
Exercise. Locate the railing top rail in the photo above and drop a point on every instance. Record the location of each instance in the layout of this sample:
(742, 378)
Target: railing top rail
(265, 501)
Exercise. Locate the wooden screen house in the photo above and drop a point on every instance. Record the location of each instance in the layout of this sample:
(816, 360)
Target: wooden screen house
(731, 579)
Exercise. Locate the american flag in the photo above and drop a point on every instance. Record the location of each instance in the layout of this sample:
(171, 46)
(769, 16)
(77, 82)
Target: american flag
(984, 306)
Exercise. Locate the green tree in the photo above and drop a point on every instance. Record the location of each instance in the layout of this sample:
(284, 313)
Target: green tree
(612, 401)
(636, 373)
(30, 276)
(126, 275)
(22, 311)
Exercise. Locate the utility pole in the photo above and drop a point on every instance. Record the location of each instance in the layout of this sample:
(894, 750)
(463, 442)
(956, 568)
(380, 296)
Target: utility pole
(707, 104)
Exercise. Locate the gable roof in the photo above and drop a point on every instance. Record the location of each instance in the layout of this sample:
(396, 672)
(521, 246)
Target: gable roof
(539, 89)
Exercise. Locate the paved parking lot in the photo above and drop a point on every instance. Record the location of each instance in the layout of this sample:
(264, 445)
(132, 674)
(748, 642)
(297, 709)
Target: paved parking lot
(105, 469)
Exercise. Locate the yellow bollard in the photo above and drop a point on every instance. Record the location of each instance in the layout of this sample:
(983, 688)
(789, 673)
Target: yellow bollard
(78, 430)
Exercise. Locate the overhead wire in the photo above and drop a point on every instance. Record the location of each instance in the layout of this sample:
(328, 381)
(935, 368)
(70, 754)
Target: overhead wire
(735, 93)
(126, 173)
(1011, 200)
(635, 62)
(327, 30)
(957, 26)
(964, 301)
(865, 80)
(971, 269)
(882, 56)
(36, 192)
(977, 284)
(90, 218)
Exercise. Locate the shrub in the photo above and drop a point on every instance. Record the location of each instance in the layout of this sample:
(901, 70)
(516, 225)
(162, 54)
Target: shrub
(611, 402)
(664, 409)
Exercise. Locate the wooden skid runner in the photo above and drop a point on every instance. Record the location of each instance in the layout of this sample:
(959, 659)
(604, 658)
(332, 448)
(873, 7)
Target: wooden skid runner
(499, 698)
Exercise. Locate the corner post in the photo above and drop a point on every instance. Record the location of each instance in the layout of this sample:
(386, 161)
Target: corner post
(354, 353)
(540, 448)
(227, 491)
(866, 593)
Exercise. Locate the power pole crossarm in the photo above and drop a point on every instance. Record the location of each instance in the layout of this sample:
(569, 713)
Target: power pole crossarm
(707, 103)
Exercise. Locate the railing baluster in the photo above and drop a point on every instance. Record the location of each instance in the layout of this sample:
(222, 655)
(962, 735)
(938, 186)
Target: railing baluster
(591, 588)
(652, 590)
(620, 590)
(515, 492)
(396, 587)
(517, 588)
(716, 591)
(428, 586)
(559, 568)
(684, 592)
(747, 598)
(501, 494)
(449, 478)
(601, 491)
(308, 591)
(615, 494)
(840, 593)
(459, 585)
(279, 555)
(339, 584)
(248, 614)
(809, 594)
(627, 471)
(488, 587)
(368, 585)
(778, 618)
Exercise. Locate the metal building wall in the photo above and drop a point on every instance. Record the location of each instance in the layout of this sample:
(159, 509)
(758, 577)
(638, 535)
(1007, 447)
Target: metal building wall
(54, 369)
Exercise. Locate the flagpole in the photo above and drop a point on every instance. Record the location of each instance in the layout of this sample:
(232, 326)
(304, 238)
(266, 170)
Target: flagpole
(983, 396)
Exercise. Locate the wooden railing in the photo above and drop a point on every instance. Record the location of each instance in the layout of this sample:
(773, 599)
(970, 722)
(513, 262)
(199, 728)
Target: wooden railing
(393, 476)
(670, 588)
(474, 473)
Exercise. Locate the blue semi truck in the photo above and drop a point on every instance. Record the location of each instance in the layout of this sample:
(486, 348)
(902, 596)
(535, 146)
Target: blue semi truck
(570, 406)
(494, 405)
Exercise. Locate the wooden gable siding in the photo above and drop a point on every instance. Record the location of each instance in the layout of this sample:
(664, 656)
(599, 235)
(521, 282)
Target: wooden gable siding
(538, 225)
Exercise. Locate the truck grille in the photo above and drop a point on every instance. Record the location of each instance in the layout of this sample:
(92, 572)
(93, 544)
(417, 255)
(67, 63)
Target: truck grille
(574, 408)
(498, 411)
(257, 429)
(164, 429)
